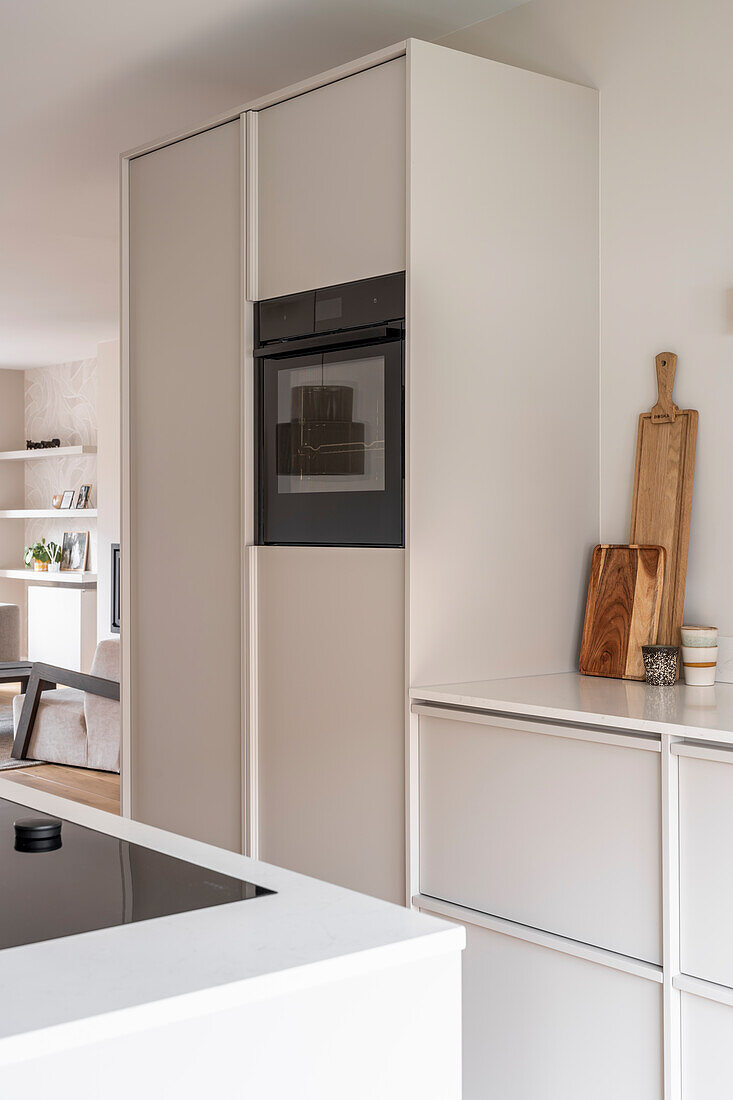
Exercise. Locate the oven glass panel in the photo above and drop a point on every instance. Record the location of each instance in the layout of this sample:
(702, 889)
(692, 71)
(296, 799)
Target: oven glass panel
(330, 447)
(331, 425)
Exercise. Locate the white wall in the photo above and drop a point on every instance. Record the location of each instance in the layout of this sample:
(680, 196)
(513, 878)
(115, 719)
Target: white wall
(663, 70)
(108, 475)
(12, 438)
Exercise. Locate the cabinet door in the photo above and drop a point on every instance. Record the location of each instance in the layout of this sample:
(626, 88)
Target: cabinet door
(185, 493)
(557, 833)
(706, 867)
(331, 715)
(707, 1049)
(542, 1025)
(331, 184)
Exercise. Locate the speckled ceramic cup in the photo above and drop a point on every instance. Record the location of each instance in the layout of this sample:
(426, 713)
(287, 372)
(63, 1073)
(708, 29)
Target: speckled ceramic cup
(660, 664)
(702, 636)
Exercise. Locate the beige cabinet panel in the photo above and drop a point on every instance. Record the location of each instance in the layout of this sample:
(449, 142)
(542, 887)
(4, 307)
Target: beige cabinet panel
(331, 184)
(541, 1025)
(186, 676)
(552, 832)
(707, 1049)
(706, 869)
(502, 365)
(331, 714)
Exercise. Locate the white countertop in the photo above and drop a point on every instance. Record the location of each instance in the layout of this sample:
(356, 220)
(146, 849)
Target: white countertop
(698, 713)
(96, 984)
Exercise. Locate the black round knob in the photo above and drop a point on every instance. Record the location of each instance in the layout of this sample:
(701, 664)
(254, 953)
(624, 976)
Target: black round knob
(37, 828)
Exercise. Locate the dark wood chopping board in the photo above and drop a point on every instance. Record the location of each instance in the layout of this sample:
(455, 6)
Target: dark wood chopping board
(622, 610)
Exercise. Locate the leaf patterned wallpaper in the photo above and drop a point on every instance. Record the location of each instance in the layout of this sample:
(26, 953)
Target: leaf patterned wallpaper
(61, 401)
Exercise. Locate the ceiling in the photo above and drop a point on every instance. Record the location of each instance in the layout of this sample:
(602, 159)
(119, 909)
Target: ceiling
(84, 80)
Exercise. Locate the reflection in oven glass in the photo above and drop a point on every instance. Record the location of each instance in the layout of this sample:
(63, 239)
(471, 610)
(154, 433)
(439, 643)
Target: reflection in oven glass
(330, 431)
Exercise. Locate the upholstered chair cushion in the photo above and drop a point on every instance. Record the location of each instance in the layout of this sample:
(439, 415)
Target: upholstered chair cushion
(103, 715)
(59, 733)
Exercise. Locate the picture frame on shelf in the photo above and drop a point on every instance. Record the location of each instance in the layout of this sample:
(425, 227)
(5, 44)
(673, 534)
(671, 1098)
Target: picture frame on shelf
(67, 499)
(82, 497)
(75, 551)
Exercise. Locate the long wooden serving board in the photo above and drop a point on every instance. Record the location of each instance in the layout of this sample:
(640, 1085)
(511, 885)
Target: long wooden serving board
(660, 513)
(622, 610)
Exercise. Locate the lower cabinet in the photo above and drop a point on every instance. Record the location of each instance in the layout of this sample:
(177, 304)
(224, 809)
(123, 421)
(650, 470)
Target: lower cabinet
(707, 1049)
(559, 832)
(542, 1025)
(706, 868)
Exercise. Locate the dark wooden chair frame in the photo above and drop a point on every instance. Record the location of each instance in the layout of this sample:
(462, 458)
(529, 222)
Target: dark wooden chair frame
(44, 678)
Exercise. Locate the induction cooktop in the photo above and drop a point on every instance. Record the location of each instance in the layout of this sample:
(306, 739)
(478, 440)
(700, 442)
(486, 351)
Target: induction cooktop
(58, 879)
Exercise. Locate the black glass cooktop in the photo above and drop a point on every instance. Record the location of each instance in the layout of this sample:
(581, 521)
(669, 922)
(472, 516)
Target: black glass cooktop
(81, 880)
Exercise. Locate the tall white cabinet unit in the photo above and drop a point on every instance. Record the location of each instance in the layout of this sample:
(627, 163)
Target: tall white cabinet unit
(479, 181)
(182, 514)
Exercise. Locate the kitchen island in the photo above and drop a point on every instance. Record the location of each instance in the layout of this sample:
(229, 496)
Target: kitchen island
(299, 988)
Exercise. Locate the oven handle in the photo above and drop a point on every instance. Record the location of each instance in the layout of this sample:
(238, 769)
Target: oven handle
(355, 338)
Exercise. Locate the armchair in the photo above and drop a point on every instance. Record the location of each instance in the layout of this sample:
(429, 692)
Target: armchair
(77, 723)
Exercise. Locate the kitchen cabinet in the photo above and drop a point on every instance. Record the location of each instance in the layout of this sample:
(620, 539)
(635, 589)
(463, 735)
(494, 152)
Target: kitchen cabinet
(560, 832)
(706, 866)
(330, 715)
(707, 1060)
(330, 169)
(183, 388)
(538, 1023)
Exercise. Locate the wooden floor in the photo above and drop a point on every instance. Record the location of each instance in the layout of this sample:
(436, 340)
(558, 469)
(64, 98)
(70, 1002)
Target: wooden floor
(98, 789)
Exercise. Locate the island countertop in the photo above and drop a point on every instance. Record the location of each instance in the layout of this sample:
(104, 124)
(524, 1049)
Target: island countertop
(704, 714)
(68, 991)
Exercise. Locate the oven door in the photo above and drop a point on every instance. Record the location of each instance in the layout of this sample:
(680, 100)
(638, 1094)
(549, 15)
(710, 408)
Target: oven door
(330, 447)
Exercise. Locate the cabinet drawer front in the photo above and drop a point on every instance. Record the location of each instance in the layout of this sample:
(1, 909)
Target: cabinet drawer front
(559, 833)
(707, 1050)
(706, 868)
(541, 1024)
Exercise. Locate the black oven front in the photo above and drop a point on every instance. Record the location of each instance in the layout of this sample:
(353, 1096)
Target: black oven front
(329, 397)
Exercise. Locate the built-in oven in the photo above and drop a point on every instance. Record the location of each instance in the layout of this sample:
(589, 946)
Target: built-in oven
(329, 421)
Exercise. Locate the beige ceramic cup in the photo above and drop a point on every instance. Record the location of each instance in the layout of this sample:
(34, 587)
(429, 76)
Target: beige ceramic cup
(699, 663)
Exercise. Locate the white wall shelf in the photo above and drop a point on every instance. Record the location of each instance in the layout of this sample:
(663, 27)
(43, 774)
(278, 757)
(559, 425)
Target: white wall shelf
(47, 513)
(44, 577)
(47, 452)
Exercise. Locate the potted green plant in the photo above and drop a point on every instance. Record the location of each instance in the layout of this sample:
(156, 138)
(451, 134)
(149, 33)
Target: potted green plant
(54, 555)
(38, 554)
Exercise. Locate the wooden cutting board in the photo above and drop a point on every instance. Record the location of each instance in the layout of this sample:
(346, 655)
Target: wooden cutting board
(622, 610)
(660, 513)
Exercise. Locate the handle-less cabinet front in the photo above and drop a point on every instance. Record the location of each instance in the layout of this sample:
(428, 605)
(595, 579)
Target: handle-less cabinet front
(707, 1051)
(557, 832)
(542, 1025)
(706, 867)
(184, 406)
(331, 184)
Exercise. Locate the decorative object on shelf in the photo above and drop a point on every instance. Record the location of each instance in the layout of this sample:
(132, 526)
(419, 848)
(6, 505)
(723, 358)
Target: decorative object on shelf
(54, 554)
(82, 497)
(699, 635)
(660, 513)
(67, 499)
(660, 664)
(41, 445)
(74, 551)
(622, 610)
(38, 555)
(57, 500)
